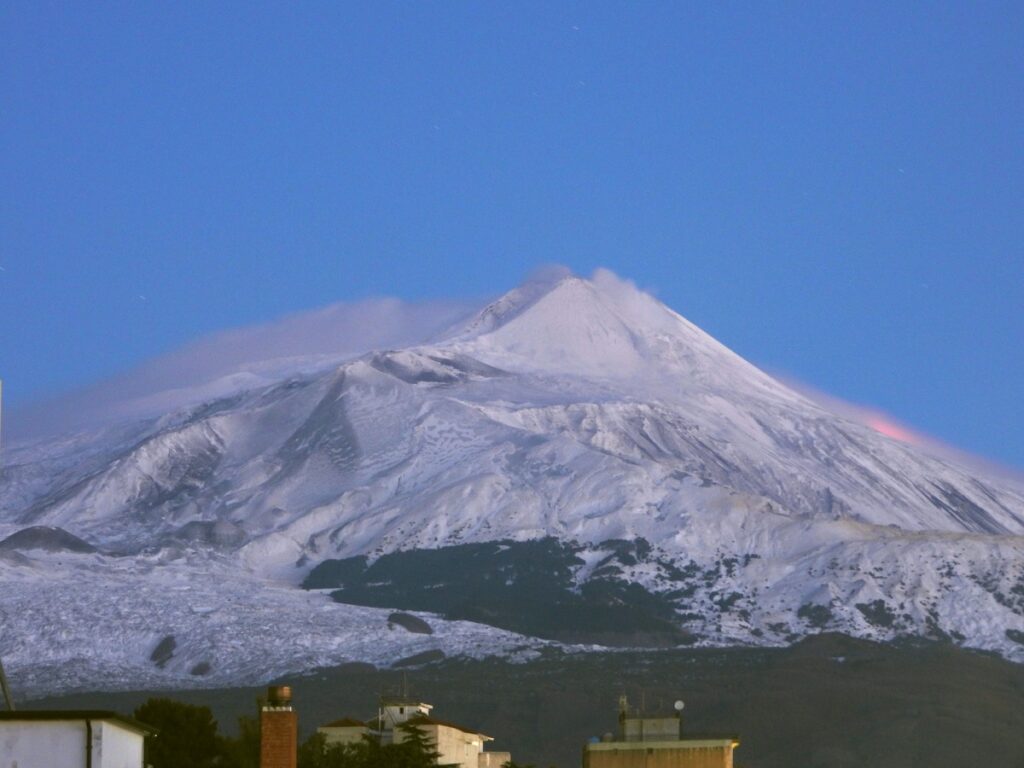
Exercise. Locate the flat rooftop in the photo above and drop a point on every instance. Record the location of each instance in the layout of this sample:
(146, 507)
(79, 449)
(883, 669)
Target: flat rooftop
(57, 715)
(698, 742)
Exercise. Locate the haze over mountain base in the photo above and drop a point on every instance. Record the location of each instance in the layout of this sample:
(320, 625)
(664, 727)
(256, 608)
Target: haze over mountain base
(827, 702)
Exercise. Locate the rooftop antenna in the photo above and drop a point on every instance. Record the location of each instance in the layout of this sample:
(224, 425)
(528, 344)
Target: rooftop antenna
(380, 712)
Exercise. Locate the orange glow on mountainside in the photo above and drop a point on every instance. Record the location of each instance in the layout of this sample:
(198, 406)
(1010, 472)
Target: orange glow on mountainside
(889, 428)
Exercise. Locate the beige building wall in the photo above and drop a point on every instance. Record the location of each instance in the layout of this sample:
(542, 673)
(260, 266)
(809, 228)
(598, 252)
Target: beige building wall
(343, 734)
(715, 753)
(456, 747)
(493, 759)
(650, 729)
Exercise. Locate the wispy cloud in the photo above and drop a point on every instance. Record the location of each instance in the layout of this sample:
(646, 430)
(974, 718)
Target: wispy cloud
(242, 357)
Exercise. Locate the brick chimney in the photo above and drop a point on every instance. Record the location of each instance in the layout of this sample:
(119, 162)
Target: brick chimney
(279, 729)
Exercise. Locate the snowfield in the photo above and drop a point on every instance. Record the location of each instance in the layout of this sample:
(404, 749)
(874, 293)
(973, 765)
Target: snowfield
(89, 622)
(578, 409)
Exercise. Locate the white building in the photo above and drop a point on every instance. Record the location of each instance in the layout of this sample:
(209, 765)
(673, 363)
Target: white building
(71, 739)
(457, 746)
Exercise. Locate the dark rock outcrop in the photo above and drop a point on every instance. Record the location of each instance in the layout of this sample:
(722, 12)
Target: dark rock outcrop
(164, 651)
(410, 623)
(46, 538)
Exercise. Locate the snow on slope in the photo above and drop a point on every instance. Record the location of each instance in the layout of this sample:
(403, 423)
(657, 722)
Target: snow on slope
(580, 409)
(80, 622)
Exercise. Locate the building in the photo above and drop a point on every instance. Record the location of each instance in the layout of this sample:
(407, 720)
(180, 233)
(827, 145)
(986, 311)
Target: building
(657, 741)
(456, 745)
(71, 739)
(279, 729)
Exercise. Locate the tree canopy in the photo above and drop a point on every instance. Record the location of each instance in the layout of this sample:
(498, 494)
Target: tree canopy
(189, 738)
(187, 735)
(415, 751)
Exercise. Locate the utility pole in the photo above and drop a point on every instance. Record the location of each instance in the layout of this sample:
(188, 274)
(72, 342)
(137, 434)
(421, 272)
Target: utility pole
(7, 691)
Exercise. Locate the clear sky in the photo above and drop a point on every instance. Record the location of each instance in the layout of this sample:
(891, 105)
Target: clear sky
(835, 190)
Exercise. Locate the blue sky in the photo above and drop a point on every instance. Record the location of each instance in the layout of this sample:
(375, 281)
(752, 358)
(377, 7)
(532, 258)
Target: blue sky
(834, 191)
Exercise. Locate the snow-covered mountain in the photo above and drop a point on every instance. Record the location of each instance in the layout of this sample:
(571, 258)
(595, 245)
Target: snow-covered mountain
(569, 410)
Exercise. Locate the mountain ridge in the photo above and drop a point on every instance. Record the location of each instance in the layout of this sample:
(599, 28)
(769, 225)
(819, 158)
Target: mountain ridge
(579, 410)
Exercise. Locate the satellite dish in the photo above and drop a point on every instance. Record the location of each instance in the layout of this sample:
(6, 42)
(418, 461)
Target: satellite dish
(679, 705)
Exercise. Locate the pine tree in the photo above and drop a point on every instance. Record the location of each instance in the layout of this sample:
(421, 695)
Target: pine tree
(242, 751)
(316, 753)
(187, 734)
(419, 751)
